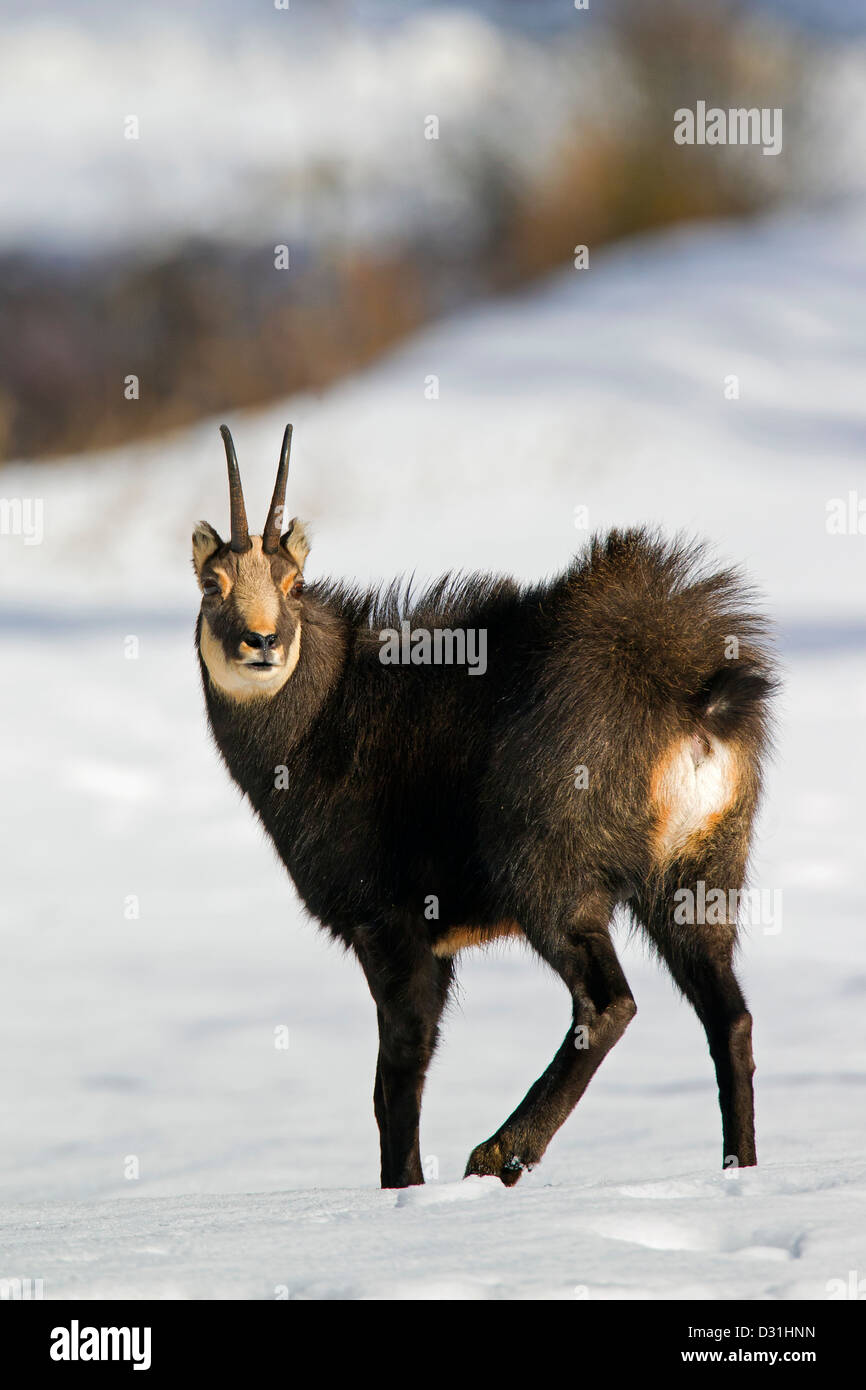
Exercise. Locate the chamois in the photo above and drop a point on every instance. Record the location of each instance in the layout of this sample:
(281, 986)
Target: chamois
(609, 755)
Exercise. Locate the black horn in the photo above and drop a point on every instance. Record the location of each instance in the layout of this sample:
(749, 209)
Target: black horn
(274, 523)
(240, 539)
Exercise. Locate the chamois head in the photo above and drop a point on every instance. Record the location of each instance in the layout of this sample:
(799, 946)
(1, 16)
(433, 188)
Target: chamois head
(250, 628)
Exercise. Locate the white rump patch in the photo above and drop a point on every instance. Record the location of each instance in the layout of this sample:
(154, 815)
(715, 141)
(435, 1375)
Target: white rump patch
(692, 785)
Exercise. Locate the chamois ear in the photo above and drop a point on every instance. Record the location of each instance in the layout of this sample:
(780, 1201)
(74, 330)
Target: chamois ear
(295, 544)
(205, 543)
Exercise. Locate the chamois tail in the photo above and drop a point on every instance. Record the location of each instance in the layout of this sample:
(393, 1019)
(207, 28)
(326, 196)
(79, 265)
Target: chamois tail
(673, 636)
(732, 699)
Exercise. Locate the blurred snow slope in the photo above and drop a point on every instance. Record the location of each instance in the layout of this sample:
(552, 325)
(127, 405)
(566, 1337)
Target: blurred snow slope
(604, 389)
(290, 126)
(153, 1036)
(298, 125)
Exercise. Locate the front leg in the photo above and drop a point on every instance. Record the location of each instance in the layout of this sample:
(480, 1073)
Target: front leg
(400, 1072)
(410, 986)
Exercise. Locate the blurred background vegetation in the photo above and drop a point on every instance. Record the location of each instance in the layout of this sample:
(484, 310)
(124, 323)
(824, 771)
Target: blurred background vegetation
(309, 129)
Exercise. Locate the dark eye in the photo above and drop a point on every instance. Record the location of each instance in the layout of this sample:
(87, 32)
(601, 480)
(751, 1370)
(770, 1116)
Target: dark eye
(211, 588)
(297, 588)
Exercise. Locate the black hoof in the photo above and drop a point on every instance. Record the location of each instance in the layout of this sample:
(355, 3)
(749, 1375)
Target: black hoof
(495, 1160)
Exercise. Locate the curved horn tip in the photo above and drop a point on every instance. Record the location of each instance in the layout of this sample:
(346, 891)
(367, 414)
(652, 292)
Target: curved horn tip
(273, 524)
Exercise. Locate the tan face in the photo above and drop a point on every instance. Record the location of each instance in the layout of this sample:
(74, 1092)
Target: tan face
(250, 636)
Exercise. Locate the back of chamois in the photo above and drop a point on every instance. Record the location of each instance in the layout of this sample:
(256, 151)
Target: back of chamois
(606, 752)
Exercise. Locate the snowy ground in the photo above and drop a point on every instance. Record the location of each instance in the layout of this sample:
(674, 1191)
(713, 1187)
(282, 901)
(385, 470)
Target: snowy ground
(152, 1036)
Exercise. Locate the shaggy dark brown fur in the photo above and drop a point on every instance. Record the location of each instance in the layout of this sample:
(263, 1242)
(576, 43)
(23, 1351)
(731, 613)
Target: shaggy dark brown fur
(421, 807)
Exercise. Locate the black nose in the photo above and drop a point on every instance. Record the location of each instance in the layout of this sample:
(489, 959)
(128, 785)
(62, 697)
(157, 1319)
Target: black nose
(262, 640)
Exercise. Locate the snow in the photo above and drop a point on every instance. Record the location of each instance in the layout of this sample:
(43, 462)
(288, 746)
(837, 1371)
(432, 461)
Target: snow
(302, 126)
(603, 389)
(153, 948)
(306, 126)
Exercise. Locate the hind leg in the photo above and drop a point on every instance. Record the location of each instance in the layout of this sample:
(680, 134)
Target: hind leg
(602, 1007)
(708, 981)
(700, 959)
